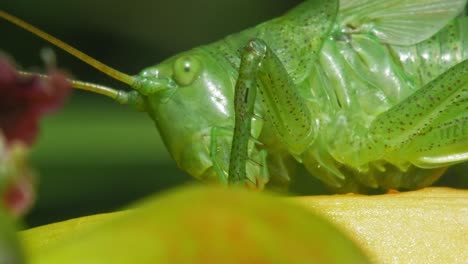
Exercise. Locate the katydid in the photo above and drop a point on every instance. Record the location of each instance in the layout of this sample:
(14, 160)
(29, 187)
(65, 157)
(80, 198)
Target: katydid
(365, 94)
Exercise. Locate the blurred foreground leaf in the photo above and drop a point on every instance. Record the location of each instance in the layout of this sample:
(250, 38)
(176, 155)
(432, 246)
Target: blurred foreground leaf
(199, 225)
(425, 226)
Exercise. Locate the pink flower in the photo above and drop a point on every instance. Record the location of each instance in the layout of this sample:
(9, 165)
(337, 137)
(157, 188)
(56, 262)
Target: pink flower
(16, 178)
(24, 100)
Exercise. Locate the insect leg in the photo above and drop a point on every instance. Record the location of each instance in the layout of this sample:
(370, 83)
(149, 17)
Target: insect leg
(244, 102)
(286, 112)
(429, 128)
(254, 163)
(284, 108)
(218, 156)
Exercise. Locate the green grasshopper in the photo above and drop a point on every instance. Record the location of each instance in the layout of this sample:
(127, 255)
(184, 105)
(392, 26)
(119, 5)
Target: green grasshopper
(365, 94)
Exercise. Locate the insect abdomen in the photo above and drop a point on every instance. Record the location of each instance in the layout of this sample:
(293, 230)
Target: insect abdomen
(365, 77)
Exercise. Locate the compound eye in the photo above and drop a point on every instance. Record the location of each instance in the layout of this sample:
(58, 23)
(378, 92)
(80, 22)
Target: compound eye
(186, 70)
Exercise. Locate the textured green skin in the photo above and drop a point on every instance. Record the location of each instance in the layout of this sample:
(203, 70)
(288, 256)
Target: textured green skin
(350, 107)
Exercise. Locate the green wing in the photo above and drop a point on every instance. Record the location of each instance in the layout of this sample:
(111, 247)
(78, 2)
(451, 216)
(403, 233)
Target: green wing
(399, 22)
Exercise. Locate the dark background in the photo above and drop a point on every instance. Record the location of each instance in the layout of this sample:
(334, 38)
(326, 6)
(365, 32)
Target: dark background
(95, 155)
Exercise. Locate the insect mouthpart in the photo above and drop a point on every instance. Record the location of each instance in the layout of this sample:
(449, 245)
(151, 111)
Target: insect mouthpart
(151, 85)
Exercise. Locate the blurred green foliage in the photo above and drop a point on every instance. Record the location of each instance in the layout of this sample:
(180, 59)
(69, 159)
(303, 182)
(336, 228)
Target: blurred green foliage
(95, 155)
(10, 251)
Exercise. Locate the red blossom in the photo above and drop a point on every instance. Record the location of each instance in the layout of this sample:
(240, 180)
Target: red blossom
(17, 192)
(19, 195)
(24, 100)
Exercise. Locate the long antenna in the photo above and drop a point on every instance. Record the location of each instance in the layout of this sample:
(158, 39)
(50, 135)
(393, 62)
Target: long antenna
(91, 87)
(120, 76)
(120, 96)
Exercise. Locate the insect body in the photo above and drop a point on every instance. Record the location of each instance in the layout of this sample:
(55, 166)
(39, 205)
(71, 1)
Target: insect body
(366, 94)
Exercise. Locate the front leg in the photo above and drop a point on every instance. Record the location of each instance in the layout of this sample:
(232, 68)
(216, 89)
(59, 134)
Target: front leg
(255, 169)
(244, 102)
(284, 109)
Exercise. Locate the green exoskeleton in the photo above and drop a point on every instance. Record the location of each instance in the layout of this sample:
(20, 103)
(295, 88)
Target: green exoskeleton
(365, 94)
